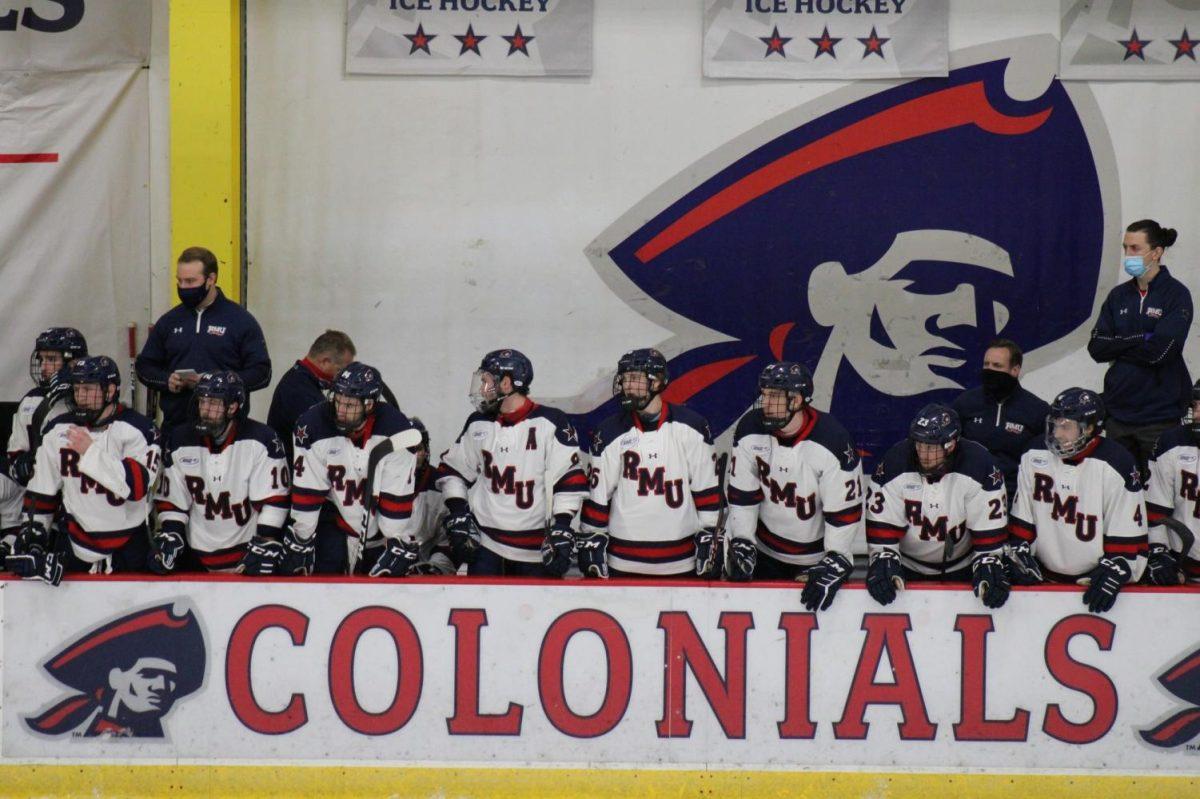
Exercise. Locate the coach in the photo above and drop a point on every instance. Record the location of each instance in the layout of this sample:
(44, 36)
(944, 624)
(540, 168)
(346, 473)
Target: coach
(1141, 330)
(205, 332)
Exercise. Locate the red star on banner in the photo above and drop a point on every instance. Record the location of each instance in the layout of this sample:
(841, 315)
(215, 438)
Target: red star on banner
(1134, 46)
(518, 42)
(775, 42)
(873, 44)
(470, 42)
(1184, 47)
(420, 40)
(825, 44)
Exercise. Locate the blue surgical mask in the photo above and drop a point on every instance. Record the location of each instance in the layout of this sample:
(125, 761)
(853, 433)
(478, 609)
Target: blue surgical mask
(1135, 265)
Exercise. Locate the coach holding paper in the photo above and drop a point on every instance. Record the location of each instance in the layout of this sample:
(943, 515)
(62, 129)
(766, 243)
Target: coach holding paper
(206, 332)
(1142, 328)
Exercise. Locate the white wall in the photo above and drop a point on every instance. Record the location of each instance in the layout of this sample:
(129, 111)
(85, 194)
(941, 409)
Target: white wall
(434, 219)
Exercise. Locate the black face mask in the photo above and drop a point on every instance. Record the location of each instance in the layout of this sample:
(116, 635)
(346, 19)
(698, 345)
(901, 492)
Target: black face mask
(192, 297)
(997, 385)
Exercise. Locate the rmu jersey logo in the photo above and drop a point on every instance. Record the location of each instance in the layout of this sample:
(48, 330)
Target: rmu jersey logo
(880, 236)
(126, 675)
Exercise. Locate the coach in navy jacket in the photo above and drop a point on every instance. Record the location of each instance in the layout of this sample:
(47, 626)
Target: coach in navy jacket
(1001, 414)
(305, 384)
(1142, 329)
(205, 332)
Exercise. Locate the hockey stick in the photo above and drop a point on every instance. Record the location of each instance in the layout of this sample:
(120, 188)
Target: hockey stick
(133, 365)
(721, 544)
(405, 439)
(1186, 536)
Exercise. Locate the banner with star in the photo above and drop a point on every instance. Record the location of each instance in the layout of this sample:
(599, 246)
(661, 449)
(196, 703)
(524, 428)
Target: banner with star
(826, 39)
(1130, 40)
(469, 37)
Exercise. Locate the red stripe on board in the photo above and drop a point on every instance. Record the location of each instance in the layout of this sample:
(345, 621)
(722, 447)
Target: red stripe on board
(28, 158)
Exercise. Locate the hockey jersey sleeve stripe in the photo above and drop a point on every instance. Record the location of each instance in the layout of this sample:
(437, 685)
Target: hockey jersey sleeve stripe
(1018, 528)
(394, 507)
(739, 497)
(277, 501)
(40, 503)
(1134, 545)
(880, 533)
(1157, 513)
(162, 506)
(843, 517)
(137, 477)
(709, 499)
(652, 551)
(595, 514)
(574, 480)
(983, 540)
(787, 546)
(222, 558)
(518, 539)
(307, 498)
(445, 470)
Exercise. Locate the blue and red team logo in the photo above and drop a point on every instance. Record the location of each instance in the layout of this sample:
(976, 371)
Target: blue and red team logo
(1182, 681)
(126, 675)
(882, 238)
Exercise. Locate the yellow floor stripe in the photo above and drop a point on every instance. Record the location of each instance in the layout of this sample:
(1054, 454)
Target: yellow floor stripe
(504, 783)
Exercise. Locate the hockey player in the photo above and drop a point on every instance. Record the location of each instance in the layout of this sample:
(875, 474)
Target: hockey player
(936, 511)
(511, 454)
(102, 459)
(430, 511)
(1173, 502)
(53, 350)
(794, 487)
(655, 500)
(225, 482)
(1078, 514)
(333, 445)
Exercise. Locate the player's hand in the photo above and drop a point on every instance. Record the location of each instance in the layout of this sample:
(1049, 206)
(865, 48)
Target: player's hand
(1104, 582)
(78, 439)
(558, 548)
(263, 557)
(884, 576)
(397, 559)
(1162, 568)
(1023, 566)
(743, 557)
(989, 578)
(165, 547)
(824, 580)
(708, 554)
(591, 552)
(464, 536)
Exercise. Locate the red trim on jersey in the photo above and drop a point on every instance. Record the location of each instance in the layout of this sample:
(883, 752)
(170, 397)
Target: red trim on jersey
(595, 514)
(519, 415)
(517, 539)
(137, 477)
(652, 551)
(230, 437)
(1020, 529)
(1084, 453)
(662, 417)
(989, 538)
(786, 545)
(277, 501)
(389, 503)
(1136, 545)
(810, 420)
(708, 499)
(574, 480)
(1157, 513)
(104, 543)
(843, 517)
(162, 506)
(739, 497)
(222, 558)
(306, 498)
(362, 436)
(880, 533)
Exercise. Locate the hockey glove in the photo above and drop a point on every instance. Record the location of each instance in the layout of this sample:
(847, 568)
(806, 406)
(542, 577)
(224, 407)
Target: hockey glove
(20, 468)
(884, 576)
(397, 559)
(30, 560)
(558, 547)
(299, 557)
(464, 536)
(825, 579)
(263, 557)
(1162, 568)
(989, 578)
(165, 547)
(592, 554)
(743, 556)
(708, 554)
(1023, 566)
(1105, 581)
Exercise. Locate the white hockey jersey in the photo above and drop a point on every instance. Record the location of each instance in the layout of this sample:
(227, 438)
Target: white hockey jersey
(331, 467)
(504, 467)
(11, 492)
(105, 491)
(1075, 511)
(939, 525)
(797, 497)
(218, 497)
(1174, 493)
(652, 490)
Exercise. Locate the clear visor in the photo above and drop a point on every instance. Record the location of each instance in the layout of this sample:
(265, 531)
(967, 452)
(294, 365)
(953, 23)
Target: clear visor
(484, 391)
(1066, 437)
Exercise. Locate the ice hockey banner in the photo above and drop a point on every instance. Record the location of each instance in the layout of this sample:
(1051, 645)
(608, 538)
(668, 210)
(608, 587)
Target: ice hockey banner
(826, 39)
(1130, 40)
(469, 37)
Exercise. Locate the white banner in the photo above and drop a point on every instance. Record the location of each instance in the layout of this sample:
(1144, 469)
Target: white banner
(74, 175)
(448, 672)
(469, 37)
(826, 39)
(1130, 40)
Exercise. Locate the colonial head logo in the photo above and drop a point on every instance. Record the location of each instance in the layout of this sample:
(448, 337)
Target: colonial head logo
(126, 675)
(1181, 680)
(882, 237)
